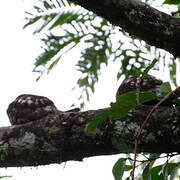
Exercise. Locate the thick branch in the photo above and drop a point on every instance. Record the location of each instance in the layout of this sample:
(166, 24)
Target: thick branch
(61, 137)
(139, 19)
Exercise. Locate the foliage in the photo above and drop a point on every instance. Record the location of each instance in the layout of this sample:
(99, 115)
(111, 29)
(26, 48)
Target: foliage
(172, 2)
(120, 109)
(127, 102)
(2, 177)
(148, 166)
(66, 26)
(119, 168)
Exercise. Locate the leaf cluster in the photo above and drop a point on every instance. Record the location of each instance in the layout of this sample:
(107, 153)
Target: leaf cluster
(120, 109)
(176, 2)
(65, 26)
(149, 168)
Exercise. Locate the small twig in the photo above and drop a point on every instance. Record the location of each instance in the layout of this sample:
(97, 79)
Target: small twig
(151, 159)
(170, 95)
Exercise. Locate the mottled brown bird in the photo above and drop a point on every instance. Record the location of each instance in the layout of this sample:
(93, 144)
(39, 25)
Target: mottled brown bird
(28, 107)
(149, 83)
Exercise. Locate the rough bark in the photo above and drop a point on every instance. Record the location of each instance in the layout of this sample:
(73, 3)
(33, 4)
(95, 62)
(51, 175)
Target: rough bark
(61, 137)
(139, 19)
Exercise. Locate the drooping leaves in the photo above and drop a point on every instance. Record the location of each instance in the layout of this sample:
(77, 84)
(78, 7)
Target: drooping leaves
(65, 26)
(146, 175)
(148, 68)
(119, 168)
(172, 2)
(68, 25)
(164, 171)
(165, 89)
(121, 107)
(149, 169)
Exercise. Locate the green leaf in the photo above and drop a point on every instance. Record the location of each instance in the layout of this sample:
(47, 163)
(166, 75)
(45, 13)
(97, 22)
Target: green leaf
(47, 5)
(145, 72)
(165, 171)
(121, 107)
(128, 178)
(129, 100)
(147, 171)
(165, 89)
(44, 21)
(169, 170)
(64, 18)
(128, 167)
(124, 103)
(2, 177)
(97, 120)
(53, 64)
(45, 57)
(171, 2)
(155, 173)
(83, 82)
(146, 96)
(173, 171)
(54, 47)
(31, 21)
(118, 169)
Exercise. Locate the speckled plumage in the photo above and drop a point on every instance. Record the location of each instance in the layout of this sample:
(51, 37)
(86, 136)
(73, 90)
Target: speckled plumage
(27, 107)
(149, 83)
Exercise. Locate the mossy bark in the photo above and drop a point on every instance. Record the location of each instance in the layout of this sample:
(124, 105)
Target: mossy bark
(62, 137)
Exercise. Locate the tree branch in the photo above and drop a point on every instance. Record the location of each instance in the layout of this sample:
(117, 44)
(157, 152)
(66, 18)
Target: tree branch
(139, 19)
(61, 137)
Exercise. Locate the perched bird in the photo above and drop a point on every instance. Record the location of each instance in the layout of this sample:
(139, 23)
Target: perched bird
(28, 107)
(149, 83)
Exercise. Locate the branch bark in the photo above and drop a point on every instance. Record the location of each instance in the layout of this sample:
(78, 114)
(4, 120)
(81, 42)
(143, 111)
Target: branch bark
(139, 19)
(61, 137)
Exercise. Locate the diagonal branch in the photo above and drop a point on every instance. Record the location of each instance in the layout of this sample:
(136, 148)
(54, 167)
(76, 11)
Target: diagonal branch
(61, 137)
(139, 19)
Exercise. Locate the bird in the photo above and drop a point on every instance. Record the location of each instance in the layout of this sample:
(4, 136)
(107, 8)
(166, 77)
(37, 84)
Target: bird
(136, 83)
(28, 107)
(149, 83)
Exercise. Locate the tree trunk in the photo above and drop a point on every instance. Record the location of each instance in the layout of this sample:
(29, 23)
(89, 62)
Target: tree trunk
(139, 19)
(62, 137)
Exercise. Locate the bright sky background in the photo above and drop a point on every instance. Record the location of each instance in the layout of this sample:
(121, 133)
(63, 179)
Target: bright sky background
(18, 51)
(19, 48)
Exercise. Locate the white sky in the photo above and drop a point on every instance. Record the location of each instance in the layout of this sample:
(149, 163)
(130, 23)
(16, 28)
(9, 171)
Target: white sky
(18, 51)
